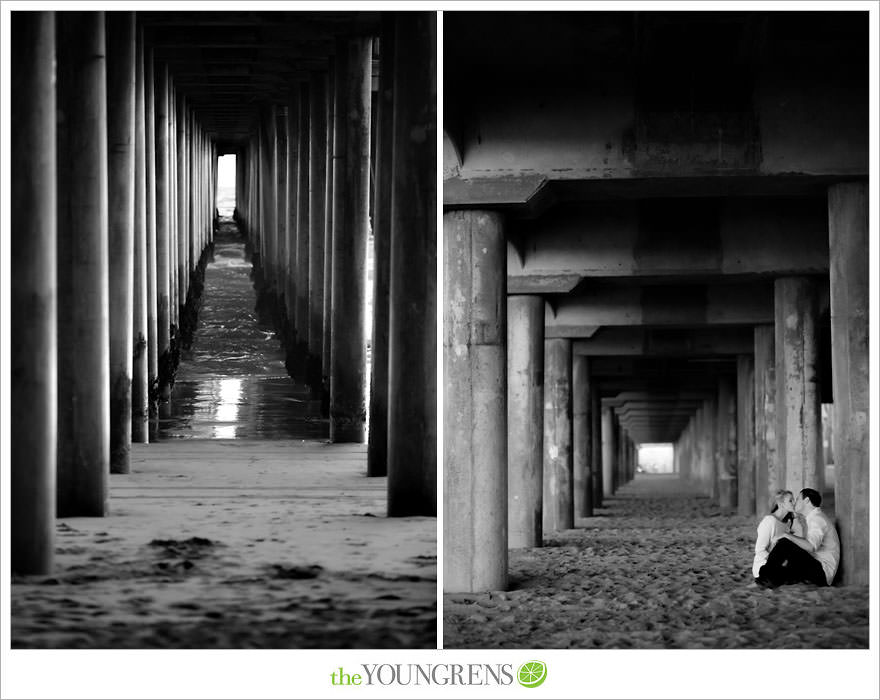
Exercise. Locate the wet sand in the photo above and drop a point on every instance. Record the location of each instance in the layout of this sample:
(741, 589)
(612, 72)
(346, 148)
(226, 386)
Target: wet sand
(656, 568)
(237, 544)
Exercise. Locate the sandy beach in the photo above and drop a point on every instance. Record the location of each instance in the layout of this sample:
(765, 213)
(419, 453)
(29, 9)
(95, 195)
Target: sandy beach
(237, 544)
(657, 567)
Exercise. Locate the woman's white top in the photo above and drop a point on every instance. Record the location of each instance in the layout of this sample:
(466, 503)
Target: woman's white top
(768, 529)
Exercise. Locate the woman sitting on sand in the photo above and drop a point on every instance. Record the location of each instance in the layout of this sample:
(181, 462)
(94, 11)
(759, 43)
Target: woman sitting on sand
(780, 521)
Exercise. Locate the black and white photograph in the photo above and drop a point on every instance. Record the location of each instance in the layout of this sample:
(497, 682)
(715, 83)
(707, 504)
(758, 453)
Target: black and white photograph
(656, 327)
(223, 338)
(372, 350)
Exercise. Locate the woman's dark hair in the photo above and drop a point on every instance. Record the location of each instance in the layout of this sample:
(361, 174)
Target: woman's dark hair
(788, 519)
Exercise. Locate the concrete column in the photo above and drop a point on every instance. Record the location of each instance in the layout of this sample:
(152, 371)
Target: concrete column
(163, 223)
(725, 445)
(745, 434)
(617, 480)
(33, 293)
(377, 453)
(581, 437)
(293, 142)
(150, 166)
(83, 316)
(281, 255)
(140, 378)
(475, 398)
(302, 223)
(350, 225)
(317, 210)
(558, 476)
(767, 476)
(608, 452)
(595, 443)
(798, 406)
(848, 228)
(681, 453)
(710, 430)
(269, 230)
(333, 88)
(120, 183)
(183, 204)
(525, 420)
(412, 329)
(173, 301)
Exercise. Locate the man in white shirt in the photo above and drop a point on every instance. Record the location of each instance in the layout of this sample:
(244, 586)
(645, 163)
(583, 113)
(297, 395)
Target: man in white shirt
(810, 559)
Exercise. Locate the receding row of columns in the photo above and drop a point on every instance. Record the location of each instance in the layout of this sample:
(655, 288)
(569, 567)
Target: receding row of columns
(525, 453)
(105, 233)
(303, 197)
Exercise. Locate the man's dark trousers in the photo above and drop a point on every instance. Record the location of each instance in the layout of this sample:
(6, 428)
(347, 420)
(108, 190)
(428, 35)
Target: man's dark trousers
(788, 563)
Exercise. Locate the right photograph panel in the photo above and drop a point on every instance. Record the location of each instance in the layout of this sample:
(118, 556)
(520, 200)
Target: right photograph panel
(655, 341)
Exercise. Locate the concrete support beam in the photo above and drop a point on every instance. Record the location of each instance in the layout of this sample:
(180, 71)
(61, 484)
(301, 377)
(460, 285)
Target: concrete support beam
(595, 454)
(377, 451)
(140, 371)
(665, 342)
(282, 203)
(317, 207)
(302, 215)
(332, 98)
(183, 204)
(558, 476)
(163, 228)
(661, 305)
(475, 398)
(120, 196)
(33, 293)
(292, 217)
(798, 402)
(582, 438)
(151, 193)
(83, 315)
(412, 332)
(350, 224)
(767, 474)
(608, 452)
(848, 228)
(707, 437)
(725, 443)
(729, 238)
(745, 434)
(173, 228)
(525, 420)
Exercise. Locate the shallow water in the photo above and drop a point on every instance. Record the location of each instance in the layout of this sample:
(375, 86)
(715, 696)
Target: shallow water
(232, 382)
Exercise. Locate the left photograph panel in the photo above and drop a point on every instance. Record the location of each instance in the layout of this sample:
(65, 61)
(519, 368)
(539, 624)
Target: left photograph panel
(223, 330)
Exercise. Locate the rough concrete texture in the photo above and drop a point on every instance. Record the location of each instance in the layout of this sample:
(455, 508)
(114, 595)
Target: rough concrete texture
(658, 567)
(237, 544)
(525, 420)
(848, 228)
(475, 402)
(558, 456)
(798, 401)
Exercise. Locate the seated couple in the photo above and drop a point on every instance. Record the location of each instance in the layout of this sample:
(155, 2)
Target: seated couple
(797, 542)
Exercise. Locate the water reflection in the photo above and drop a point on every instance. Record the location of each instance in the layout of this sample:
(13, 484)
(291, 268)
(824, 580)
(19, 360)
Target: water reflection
(232, 383)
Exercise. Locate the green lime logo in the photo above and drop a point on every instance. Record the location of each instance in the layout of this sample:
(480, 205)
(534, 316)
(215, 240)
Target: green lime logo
(531, 674)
